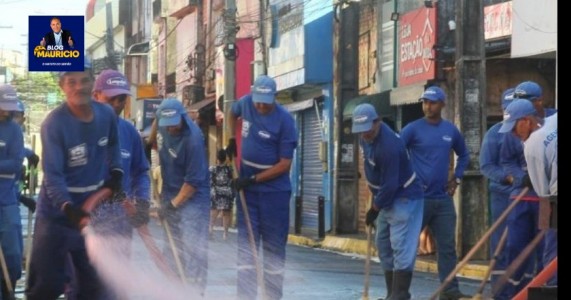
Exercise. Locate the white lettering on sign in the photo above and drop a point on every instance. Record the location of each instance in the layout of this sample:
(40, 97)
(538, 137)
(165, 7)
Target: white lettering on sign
(406, 30)
(411, 50)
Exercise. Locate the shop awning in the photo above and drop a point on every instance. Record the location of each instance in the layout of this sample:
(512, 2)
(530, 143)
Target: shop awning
(408, 94)
(381, 102)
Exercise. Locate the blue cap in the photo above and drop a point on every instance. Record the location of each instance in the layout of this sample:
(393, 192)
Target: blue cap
(169, 112)
(434, 94)
(8, 98)
(264, 90)
(518, 109)
(507, 98)
(21, 107)
(363, 117)
(528, 90)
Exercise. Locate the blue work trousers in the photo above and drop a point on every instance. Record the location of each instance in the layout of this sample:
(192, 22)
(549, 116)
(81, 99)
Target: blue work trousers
(55, 245)
(398, 233)
(189, 230)
(550, 252)
(269, 217)
(10, 231)
(499, 202)
(522, 228)
(440, 216)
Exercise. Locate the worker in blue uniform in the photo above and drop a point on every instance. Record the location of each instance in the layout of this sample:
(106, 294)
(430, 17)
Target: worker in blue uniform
(185, 195)
(540, 151)
(11, 159)
(80, 154)
(397, 198)
(32, 161)
(28, 170)
(499, 188)
(112, 87)
(269, 138)
(522, 220)
(430, 141)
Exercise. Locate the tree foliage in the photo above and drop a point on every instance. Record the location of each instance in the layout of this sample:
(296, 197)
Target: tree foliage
(33, 89)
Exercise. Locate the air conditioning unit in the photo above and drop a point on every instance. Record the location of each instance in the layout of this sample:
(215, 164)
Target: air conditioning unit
(258, 68)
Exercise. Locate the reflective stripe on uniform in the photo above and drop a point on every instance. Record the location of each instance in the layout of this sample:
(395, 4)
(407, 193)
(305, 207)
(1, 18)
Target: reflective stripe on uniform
(524, 276)
(8, 176)
(246, 267)
(84, 189)
(376, 187)
(406, 184)
(255, 165)
(410, 180)
(274, 272)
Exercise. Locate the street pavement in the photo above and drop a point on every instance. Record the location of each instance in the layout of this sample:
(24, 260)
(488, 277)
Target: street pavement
(311, 273)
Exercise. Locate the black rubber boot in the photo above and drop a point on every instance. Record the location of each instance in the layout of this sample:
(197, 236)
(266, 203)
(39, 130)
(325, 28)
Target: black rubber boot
(453, 295)
(401, 285)
(389, 283)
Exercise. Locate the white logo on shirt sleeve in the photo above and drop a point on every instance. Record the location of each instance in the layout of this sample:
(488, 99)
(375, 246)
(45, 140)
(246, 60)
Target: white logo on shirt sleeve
(159, 141)
(245, 128)
(172, 152)
(102, 141)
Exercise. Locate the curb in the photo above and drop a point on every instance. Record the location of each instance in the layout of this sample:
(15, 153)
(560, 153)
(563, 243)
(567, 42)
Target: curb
(359, 246)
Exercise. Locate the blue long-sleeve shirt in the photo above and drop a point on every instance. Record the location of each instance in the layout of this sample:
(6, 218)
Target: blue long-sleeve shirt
(429, 146)
(490, 160)
(388, 169)
(136, 182)
(183, 160)
(11, 159)
(76, 156)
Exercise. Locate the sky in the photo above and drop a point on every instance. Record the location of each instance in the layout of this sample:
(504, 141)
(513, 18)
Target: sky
(15, 13)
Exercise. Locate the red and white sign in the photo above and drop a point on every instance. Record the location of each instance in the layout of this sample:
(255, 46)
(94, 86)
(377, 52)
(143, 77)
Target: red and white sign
(417, 36)
(498, 20)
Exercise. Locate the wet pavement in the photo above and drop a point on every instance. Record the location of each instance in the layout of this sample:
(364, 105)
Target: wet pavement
(311, 273)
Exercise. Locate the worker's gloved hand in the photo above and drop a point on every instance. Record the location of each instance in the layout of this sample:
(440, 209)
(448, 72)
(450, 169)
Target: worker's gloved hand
(231, 149)
(167, 210)
(371, 216)
(114, 183)
(242, 182)
(526, 182)
(507, 180)
(29, 203)
(74, 215)
(33, 160)
(141, 215)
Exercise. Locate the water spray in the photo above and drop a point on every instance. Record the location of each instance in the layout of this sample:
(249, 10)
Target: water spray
(110, 255)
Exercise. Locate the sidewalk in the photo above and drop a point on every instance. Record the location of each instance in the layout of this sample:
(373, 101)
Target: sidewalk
(358, 244)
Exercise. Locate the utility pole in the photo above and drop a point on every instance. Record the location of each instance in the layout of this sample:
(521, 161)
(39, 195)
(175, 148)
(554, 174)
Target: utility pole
(109, 35)
(200, 48)
(229, 63)
(470, 114)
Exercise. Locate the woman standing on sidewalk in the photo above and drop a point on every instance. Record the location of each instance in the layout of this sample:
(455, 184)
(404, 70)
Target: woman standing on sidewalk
(221, 192)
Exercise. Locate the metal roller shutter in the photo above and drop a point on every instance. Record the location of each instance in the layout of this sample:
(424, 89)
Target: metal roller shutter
(311, 171)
